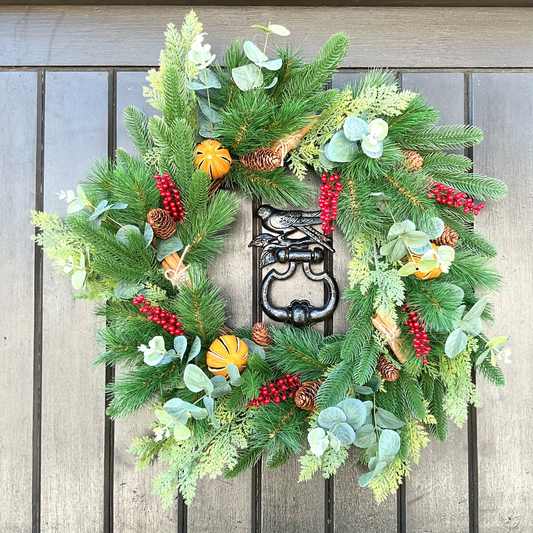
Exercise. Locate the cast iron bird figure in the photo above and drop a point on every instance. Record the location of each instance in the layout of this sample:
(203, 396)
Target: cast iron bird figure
(287, 222)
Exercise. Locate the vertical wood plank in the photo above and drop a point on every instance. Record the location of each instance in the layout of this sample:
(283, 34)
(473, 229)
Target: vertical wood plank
(18, 109)
(135, 508)
(76, 117)
(355, 507)
(287, 505)
(225, 505)
(503, 108)
(437, 489)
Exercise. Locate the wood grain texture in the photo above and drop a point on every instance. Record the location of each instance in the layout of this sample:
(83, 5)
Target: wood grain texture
(318, 3)
(503, 108)
(18, 109)
(437, 489)
(73, 403)
(92, 35)
(135, 507)
(225, 505)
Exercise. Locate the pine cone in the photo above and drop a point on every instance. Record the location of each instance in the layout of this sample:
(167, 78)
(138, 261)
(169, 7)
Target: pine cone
(449, 237)
(225, 330)
(262, 159)
(261, 335)
(413, 160)
(305, 397)
(387, 369)
(162, 223)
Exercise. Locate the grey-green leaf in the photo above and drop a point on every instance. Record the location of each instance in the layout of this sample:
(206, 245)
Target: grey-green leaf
(165, 247)
(127, 291)
(196, 380)
(386, 419)
(365, 436)
(345, 433)
(355, 411)
(340, 149)
(253, 53)
(247, 77)
(331, 416)
(389, 443)
(180, 345)
(455, 343)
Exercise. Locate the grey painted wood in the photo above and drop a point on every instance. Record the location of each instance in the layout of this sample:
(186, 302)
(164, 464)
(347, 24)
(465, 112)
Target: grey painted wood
(287, 505)
(503, 107)
(225, 505)
(18, 109)
(135, 508)
(73, 403)
(460, 37)
(318, 3)
(437, 490)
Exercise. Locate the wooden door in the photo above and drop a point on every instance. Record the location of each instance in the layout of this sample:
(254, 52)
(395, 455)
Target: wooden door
(66, 74)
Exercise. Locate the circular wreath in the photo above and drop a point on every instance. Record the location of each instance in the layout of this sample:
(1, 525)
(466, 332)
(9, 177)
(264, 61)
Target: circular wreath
(141, 231)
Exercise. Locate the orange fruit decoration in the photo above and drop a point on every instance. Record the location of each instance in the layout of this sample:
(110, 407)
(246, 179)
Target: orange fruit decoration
(213, 158)
(225, 350)
(433, 273)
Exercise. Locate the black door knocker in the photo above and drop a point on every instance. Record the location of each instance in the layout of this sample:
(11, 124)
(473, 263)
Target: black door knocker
(279, 247)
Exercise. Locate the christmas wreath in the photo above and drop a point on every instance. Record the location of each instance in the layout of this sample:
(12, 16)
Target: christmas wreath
(141, 231)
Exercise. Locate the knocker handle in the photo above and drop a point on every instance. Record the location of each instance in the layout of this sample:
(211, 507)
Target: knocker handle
(299, 313)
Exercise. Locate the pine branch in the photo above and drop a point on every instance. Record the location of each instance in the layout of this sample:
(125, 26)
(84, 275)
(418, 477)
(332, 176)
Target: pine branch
(136, 123)
(436, 408)
(444, 138)
(336, 386)
(413, 396)
(475, 185)
(276, 187)
(492, 373)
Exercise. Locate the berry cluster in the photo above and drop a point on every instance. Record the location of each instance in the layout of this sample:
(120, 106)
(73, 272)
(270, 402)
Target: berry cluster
(420, 337)
(169, 321)
(328, 201)
(447, 195)
(281, 390)
(171, 196)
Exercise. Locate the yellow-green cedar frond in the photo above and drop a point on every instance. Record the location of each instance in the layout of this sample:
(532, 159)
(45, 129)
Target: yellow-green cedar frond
(385, 100)
(460, 390)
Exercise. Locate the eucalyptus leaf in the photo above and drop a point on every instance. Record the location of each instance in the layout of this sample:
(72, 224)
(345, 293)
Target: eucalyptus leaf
(365, 436)
(180, 345)
(334, 442)
(378, 129)
(371, 147)
(262, 28)
(101, 208)
(423, 249)
(181, 432)
(127, 291)
(427, 265)
(209, 404)
(118, 205)
(220, 386)
(497, 341)
(433, 226)
(476, 310)
(282, 31)
(196, 380)
(78, 279)
(272, 83)
(472, 327)
(167, 358)
(407, 269)
(315, 436)
(398, 251)
(165, 247)
(362, 389)
(254, 348)
(355, 411)
(387, 248)
(174, 407)
(365, 479)
(76, 205)
(234, 375)
(389, 443)
(324, 161)
(345, 433)
(415, 239)
(163, 417)
(196, 86)
(124, 232)
(153, 357)
(374, 383)
(354, 128)
(247, 77)
(274, 64)
(399, 228)
(340, 149)
(195, 349)
(455, 343)
(182, 417)
(212, 81)
(386, 419)
(331, 416)
(446, 253)
(253, 53)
